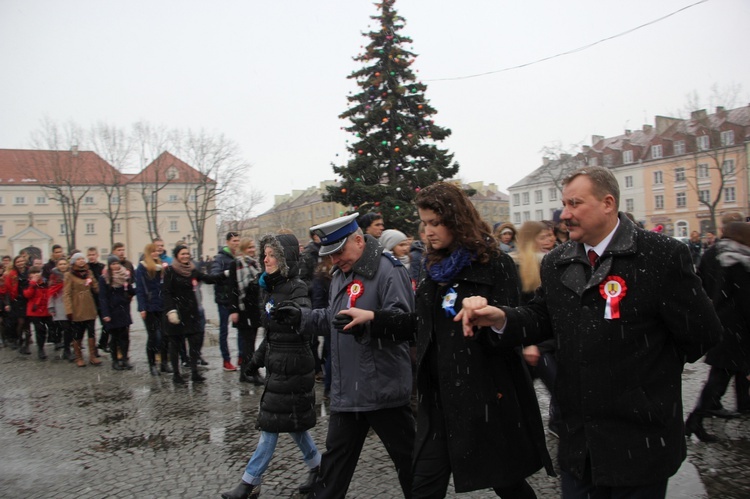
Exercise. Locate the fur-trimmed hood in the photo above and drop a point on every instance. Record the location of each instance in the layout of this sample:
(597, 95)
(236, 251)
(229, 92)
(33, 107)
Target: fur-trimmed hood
(286, 249)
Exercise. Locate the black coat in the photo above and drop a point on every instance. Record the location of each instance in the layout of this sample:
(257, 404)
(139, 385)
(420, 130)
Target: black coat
(288, 401)
(619, 383)
(115, 304)
(179, 294)
(729, 290)
(494, 428)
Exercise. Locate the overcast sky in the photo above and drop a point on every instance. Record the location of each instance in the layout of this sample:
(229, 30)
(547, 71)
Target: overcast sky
(271, 74)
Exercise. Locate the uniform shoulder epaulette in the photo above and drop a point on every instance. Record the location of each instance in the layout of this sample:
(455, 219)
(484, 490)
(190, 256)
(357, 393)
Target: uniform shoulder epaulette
(395, 261)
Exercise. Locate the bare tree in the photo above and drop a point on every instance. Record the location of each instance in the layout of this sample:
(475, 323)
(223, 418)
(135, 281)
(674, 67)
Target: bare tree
(149, 143)
(559, 163)
(237, 205)
(59, 169)
(220, 166)
(115, 147)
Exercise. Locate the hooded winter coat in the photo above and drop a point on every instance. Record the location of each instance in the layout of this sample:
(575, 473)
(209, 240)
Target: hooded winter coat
(619, 382)
(288, 401)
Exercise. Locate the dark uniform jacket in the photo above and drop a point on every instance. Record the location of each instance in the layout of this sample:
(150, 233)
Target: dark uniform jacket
(619, 382)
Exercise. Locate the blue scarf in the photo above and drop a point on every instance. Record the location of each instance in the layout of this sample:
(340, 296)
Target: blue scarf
(446, 269)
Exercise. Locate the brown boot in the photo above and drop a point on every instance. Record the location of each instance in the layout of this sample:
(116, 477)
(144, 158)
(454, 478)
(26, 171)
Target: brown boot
(78, 354)
(92, 353)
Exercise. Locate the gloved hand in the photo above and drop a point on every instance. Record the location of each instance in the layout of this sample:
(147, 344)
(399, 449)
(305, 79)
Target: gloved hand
(287, 313)
(173, 317)
(340, 321)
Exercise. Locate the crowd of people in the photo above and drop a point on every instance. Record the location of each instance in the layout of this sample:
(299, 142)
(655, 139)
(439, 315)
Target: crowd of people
(433, 341)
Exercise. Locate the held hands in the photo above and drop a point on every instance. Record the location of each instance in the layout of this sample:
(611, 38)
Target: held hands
(531, 355)
(287, 313)
(234, 317)
(173, 317)
(346, 320)
(476, 312)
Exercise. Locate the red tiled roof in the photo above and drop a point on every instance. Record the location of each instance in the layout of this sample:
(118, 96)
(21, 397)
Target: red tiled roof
(21, 166)
(157, 171)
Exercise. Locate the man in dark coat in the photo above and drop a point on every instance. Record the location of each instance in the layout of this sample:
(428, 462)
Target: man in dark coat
(223, 294)
(57, 253)
(727, 358)
(627, 311)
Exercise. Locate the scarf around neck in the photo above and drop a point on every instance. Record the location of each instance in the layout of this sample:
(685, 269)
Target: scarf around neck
(185, 270)
(446, 269)
(119, 278)
(732, 252)
(247, 271)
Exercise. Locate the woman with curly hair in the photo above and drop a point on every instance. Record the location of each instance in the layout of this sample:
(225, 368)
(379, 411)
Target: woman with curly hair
(478, 416)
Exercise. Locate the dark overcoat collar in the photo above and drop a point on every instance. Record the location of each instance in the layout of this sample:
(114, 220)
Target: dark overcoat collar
(574, 257)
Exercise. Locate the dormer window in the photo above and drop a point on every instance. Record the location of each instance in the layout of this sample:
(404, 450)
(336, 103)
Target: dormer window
(172, 173)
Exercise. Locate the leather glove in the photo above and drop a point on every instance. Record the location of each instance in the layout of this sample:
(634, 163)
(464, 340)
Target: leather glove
(173, 317)
(341, 320)
(287, 313)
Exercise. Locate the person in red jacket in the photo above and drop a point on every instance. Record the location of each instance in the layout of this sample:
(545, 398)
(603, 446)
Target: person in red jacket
(36, 308)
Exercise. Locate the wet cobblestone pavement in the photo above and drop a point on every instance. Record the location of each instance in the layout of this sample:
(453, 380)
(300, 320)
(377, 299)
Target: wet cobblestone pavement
(93, 432)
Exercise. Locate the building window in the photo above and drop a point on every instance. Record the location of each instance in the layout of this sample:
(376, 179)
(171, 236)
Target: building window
(681, 229)
(627, 156)
(659, 202)
(729, 195)
(593, 161)
(173, 226)
(525, 198)
(19, 200)
(63, 229)
(90, 228)
(657, 151)
(41, 200)
(704, 195)
(2, 201)
(704, 142)
(88, 200)
(609, 159)
(658, 178)
(116, 228)
(727, 138)
(540, 214)
(629, 181)
(679, 147)
(703, 170)
(553, 193)
(115, 200)
(2, 231)
(516, 218)
(629, 205)
(727, 167)
(526, 216)
(516, 199)
(681, 199)
(538, 196)
(173, 198)
(679, 174)
(192, 198)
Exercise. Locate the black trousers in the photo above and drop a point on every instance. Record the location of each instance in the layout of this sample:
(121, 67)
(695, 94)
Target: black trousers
(119, 339)
(157, 341)
(716, 386)
(194, 342)
(42, 327)
(346, 436)
(79, 329)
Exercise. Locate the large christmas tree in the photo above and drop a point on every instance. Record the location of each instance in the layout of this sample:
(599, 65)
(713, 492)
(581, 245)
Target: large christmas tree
(394, 153)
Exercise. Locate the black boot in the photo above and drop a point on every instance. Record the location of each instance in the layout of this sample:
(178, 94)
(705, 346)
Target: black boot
(312, 477)
(694, 424)
(165, 367)
(41, 354)
(125, 364)
(196, 377)
(177, 379)
(258, 380)
(153, 370)
(242, 491)
(25, 341)
(116, 365)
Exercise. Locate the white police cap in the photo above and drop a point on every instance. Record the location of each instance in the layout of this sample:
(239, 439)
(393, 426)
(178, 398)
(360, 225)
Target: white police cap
(333, 233)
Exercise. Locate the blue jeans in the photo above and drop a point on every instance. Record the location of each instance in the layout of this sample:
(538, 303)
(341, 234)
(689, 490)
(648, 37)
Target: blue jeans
(264, 453)
(223, 330)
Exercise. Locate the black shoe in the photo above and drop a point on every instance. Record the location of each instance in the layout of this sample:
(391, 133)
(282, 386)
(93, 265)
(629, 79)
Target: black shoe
(116, 366)
(694, 424)
(59, 346)
(153, 370)
(177, 379)
(41, 354)
(202, 362)
(166, 368)
(242, 491)
(197, 378)
(722, 413)
(125, 364)
(244, 378)
(66, 355)
(312, 477)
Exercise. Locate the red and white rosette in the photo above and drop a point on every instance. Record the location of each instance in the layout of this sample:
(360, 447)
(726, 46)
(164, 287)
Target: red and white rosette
(355, 289)
(613, 290)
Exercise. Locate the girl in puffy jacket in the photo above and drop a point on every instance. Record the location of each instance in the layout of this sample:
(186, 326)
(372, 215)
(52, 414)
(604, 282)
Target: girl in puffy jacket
(115, 293)
(36, 308)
